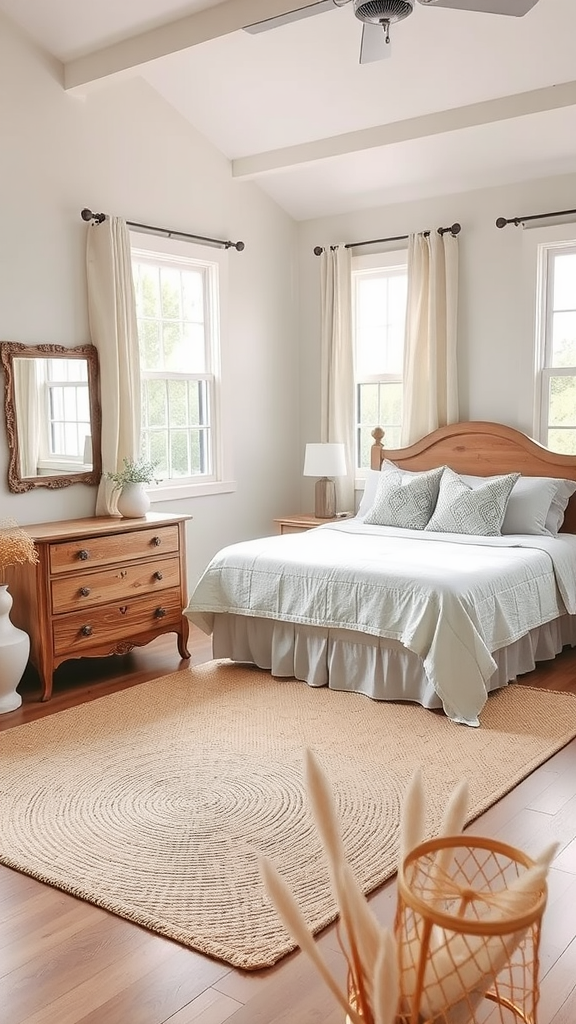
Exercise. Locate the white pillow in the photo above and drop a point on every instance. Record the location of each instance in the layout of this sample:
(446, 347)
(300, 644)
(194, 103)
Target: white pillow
(536, 504)
(555, 517)
(373, 478)
(405, 500)
(474, 510)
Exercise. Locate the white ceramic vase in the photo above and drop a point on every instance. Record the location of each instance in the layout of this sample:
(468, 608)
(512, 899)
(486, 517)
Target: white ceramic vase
(133, 501)
(14, 651)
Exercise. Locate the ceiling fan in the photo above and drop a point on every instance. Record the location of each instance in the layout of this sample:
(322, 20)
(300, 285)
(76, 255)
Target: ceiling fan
(378, 15)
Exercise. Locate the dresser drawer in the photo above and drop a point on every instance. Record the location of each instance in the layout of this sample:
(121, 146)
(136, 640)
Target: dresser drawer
(114, 548)
(107, 626)
(85, 589)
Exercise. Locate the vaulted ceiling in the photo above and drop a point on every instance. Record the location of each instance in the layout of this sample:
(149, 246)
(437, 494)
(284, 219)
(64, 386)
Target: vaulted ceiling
(465, 100)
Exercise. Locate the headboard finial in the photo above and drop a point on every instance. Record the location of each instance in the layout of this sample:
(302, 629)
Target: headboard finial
(377, 449)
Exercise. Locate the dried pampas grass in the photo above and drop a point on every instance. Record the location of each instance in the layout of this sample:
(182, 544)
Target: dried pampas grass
(16, 546)
(370, 950)
(445, 974)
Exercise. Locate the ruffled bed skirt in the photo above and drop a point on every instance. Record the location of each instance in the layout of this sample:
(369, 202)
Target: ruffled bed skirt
(343, 659)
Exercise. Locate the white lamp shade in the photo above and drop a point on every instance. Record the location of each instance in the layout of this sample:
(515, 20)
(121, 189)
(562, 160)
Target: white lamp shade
(325, 460)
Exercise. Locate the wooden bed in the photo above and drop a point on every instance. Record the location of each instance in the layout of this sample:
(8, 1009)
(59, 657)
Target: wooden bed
(480, 448)
(383, 664)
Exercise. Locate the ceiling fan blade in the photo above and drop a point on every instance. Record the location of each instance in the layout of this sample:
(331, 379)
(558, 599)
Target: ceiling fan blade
(514, 8)
(375, 44)
(296, 15)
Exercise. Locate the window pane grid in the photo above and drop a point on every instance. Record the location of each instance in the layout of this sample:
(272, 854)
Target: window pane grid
(68, 419)
(175, 332)
(558, 388)
(379, 298)
(176, 427)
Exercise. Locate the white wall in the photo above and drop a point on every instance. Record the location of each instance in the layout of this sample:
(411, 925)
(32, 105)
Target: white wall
(496, 344)
(123, 150)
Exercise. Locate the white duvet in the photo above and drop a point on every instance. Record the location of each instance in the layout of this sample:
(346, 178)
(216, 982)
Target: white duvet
(452, 599)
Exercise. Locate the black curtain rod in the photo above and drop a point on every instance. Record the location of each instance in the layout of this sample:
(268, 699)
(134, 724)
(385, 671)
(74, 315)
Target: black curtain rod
(503, 221)
(454, 229)
(87, 215)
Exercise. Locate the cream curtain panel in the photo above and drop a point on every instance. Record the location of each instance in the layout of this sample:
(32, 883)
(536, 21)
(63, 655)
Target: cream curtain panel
(430, 368)
(113, 328)
(337, 364)
(26, 391)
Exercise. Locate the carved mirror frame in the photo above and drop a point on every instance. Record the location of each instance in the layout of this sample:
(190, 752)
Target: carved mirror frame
(9, 350)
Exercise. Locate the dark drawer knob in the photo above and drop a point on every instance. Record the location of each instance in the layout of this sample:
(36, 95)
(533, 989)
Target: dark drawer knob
(158, 575)
(83, 554)
(84, 591)
(86, 630)
(156, 541)
(159, 613)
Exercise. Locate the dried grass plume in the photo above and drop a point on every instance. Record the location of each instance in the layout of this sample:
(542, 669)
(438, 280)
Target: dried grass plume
(16, 546)
(392, 978)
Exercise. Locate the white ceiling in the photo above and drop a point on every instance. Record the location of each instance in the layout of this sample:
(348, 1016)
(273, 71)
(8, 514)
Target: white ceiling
(466, 99)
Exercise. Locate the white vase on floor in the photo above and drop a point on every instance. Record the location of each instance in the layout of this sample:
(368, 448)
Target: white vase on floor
(14, 651)
(133, 501)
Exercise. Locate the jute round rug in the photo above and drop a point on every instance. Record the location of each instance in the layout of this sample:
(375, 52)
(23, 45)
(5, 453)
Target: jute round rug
(155, 802)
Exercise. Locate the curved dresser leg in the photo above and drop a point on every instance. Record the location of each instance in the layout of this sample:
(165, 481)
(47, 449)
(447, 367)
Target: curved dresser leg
(183, 639)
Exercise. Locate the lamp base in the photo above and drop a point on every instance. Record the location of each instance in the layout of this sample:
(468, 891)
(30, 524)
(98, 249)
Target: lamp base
(325, 499)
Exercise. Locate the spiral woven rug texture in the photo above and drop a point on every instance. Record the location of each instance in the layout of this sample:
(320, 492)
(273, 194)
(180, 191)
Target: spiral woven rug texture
(156, 802)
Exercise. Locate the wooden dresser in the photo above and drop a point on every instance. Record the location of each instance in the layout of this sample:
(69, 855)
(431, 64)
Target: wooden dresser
(101, 586)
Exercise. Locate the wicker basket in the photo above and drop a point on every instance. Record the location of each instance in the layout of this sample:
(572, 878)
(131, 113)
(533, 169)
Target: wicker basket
(465, 942)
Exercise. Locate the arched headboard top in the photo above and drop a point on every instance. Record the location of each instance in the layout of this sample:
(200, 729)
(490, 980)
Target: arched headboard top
(480, 448)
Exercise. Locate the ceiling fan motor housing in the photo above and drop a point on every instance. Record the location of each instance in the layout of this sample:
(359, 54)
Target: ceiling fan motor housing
(380, 12)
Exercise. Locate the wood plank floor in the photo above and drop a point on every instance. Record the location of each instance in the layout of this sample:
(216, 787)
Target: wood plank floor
(63, 961)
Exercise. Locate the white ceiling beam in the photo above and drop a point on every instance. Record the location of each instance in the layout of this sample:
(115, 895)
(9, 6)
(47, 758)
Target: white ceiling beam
(504, 108)
(181, 34)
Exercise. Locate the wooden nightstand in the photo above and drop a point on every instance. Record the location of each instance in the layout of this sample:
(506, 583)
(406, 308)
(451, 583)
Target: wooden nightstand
(300, 523)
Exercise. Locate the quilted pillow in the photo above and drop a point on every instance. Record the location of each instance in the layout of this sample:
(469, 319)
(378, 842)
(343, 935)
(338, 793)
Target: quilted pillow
(528, 505)
(372, 481)
(536, 505)
(463, 509)
(405, 500)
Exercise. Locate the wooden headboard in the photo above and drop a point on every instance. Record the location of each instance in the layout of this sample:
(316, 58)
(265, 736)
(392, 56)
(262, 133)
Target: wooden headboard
(480, 448)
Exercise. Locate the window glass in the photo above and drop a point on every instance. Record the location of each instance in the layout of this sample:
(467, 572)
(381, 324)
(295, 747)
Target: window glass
(177, 309)
(379, 294)
(68, 411)
(556, 366)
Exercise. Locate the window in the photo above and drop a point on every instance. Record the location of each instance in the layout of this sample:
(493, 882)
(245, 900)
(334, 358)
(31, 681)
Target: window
(379, 293)
(65, 423)
(177, 289)
(556, 345)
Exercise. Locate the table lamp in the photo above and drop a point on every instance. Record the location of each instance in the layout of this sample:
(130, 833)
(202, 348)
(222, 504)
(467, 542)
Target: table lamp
(325, 461)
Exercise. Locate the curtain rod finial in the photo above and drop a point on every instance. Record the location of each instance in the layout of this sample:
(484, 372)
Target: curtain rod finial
(501, 222)
(87, 215)
(318, 250)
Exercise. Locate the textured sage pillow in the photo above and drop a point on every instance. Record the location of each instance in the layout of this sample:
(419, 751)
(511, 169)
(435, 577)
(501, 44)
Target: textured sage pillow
(404, 499)
(529, 504)
(474, 510)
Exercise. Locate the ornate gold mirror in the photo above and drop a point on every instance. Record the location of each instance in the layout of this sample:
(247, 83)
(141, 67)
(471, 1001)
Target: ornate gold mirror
(53, 415)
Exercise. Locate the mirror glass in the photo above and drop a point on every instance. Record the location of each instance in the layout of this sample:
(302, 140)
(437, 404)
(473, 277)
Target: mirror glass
(52, 415)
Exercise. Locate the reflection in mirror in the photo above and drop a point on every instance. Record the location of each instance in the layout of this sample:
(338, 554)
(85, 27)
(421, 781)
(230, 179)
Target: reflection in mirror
(52, 415)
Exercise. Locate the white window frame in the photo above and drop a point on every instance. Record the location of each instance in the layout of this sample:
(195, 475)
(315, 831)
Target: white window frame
(538, 244)
(170, 251)
(395, 259)
(57, 462)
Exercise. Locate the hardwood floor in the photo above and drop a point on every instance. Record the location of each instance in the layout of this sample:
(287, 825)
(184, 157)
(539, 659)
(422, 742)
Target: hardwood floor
(63, 961)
